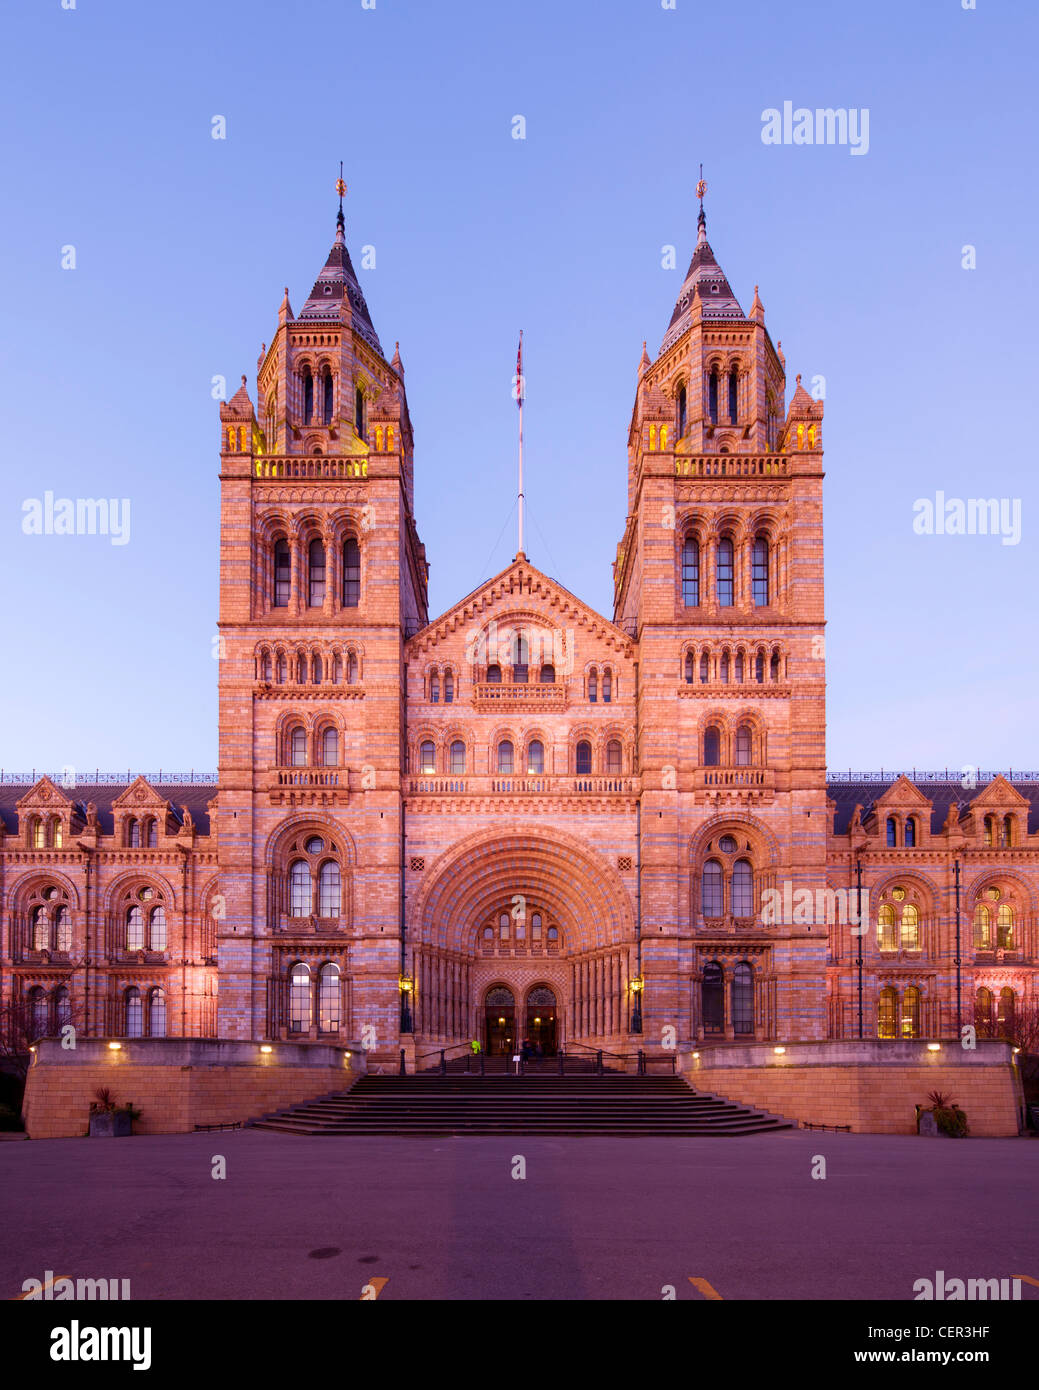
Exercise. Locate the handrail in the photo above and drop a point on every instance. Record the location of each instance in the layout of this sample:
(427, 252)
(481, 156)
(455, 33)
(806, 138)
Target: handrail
(436, 1051)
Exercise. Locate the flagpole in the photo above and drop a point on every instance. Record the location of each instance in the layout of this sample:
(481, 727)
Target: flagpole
(519, 391)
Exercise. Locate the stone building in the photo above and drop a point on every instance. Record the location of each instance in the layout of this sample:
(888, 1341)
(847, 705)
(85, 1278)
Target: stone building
(520, 818)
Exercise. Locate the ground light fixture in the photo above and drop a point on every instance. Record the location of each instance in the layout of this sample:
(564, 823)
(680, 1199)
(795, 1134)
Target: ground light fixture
(266, 1047)
(115, 1047)
(934, 1047)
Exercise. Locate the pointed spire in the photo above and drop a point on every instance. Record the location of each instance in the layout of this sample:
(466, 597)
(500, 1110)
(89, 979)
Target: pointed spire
(757, 309)
(644, 362)
(337, 293)
(396, 363)
(285, 309)
(706, 278)
(780, 353)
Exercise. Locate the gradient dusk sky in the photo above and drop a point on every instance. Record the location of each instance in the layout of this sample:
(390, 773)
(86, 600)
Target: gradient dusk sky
(183, 244)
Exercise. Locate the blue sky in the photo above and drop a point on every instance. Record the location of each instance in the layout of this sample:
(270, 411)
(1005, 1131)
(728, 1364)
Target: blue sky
(183, 244)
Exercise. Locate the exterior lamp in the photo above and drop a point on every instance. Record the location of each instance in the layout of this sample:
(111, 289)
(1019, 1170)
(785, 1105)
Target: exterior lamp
(501, 1020)
(934, 1047)
(779, 1051)
(407, 988)
(115, 1047)
(637, 985)
(266, 1047)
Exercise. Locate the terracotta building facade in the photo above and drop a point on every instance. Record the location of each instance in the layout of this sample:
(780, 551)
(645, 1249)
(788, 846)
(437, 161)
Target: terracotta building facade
(521, 819)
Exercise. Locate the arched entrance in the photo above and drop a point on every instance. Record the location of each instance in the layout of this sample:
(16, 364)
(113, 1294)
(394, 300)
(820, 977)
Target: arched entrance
(541, 1021)
(499, 1011)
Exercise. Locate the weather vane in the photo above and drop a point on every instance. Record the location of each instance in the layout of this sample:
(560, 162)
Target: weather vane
(341, 184)
(701, 188)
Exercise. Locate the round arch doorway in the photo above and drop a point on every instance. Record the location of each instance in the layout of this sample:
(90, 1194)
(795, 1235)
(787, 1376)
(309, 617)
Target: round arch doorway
(540, 1030)
(499, 1011)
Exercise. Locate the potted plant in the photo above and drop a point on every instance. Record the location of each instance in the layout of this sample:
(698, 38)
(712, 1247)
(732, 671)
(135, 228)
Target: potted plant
(949, 1118)
(108, 1120)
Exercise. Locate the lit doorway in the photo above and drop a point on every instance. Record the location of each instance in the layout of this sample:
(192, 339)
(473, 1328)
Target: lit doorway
(500, 1021)
(541, 1021)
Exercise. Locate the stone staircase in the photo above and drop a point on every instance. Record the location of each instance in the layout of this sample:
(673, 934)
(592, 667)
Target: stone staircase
(436, 1105)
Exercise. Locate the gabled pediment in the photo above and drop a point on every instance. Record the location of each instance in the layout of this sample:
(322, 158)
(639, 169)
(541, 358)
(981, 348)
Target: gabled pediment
(999, 795)
(521, 593)
(44, 795)
(901, 795)
(140, 795)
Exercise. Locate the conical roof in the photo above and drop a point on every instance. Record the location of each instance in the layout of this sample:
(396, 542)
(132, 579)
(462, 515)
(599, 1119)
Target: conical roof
(716, 297)
(338, 278)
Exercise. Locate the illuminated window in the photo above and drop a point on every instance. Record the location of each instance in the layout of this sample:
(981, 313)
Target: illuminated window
(982, 928)
(1005, 1015)
(1005, 927)
(584, 758)
(887, 1011)
(742, 889)
(328, 998)
(711, 889)
(427, 756)
(134, 1013)
(157, 1014)
(351, 573)
(37, 834)
(711, 747)
(457, 757)
(983, 1011)
(157, 929)
(300, 889)
(316, 575)
(911, 1013)
(759, 572)
(886, 928)
(725, 572)
(910, 928)
(691, 572)
(990, 830)
(299, 999)
(505, 756)
(134, 929)
(328, 889)
(536, 757)
(330, 748)
(56, 834)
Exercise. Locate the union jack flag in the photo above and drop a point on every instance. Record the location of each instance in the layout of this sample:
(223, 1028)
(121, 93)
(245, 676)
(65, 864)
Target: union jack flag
(519, 371)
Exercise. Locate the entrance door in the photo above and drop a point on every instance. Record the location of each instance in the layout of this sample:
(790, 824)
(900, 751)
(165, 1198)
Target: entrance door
(500, 1021)
(541, 1021)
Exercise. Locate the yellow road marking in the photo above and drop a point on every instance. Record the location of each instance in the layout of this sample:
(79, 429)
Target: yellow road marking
(43, 1292)
(377, 1283)
(705, 1288)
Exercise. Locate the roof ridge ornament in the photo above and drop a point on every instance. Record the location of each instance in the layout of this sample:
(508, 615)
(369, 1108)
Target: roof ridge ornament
(701, 221)
(340, 219)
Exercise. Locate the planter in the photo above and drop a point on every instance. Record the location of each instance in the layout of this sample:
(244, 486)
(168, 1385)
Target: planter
(111, 1124)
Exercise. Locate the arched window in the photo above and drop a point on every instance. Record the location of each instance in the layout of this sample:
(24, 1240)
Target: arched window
(723, 670)
(520, 660)
(299, 999)
(711, 747)
(910, 928)
(434, 689)
(1005, 927)
(300, 889)
(134, 835)
(682, 405)
(151, 833)
(689, 668)
(711, 894)
(457, 757)
(739, 668)
(282, 573)
(759, 668)
(37, 834)
(494, 674)
(887, 1013)
(157, 1014)
(359, 412)
(553, 935)
(744, 744)
(712, 396)
(328, 997)
(1008, 831)
(157, 929)
(743, 999)
(329, 890)
(316, 574)
(37, 1013)
(613, 758)
(427, 756)
(330, 748)
(691, 572)
(1005, 1015)
(705, 668)
(982, 928)
(505, 756)
(548, 675)
(742, 889)
(283, 669)
(773, 673)
(56, 833)
(712, 998)
(584, 758)
(725, 572)
(317, 669)
(134, 1013)
(298, 747)
(990, 831)
(535, 757)
(734, 395)
(308, 395)
(593, 686)
(535, 926)
(41, 930)
(892, 833)
(62, 1007)
(607, 686)
(351, 669)
(351, 573)
(759, 572)
(911, 1013)
(886, 927)
(449, 687)
(62, 930)
(327, 397)
(910, 838)
(134, 929)
(983, 1012)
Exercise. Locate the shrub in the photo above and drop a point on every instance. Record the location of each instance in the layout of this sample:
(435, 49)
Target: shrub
(948, 1116)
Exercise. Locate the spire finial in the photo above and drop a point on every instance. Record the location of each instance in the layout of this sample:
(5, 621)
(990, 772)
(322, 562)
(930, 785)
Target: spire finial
(340, 189)
(701, 189)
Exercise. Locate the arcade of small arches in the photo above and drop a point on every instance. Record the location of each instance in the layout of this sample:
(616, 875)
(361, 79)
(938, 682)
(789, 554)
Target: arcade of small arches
(725, 567)
(739, 665)
(520, 755)
(310, 564)
(732, 742)
(313, 665)
(302, 741)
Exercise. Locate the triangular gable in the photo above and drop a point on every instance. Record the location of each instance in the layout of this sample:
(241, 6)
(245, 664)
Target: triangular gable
(44, 794)
(140, 794)
(900, 795)
(998, 795)
(513, 592)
